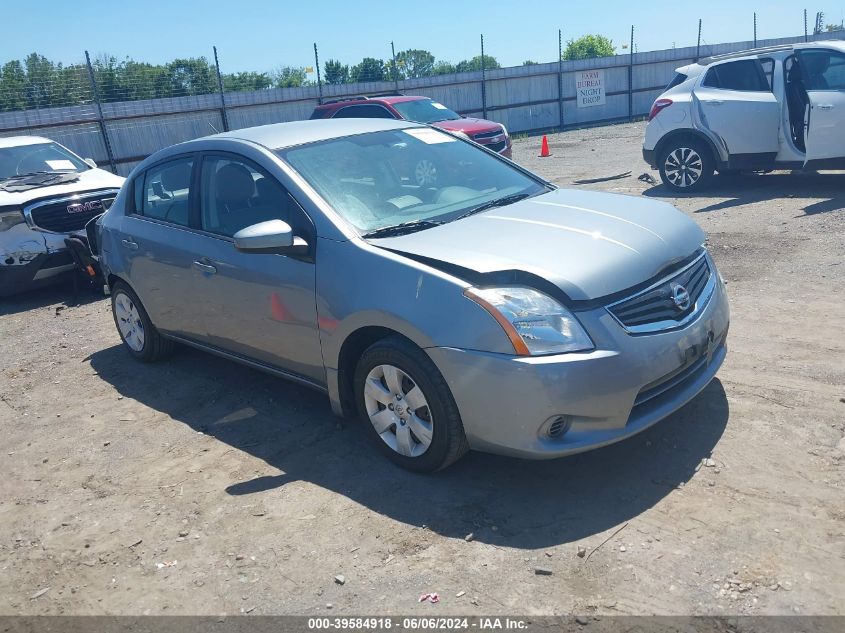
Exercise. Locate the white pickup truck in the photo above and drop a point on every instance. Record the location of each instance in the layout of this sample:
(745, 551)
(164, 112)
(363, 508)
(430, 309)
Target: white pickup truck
(46, 194)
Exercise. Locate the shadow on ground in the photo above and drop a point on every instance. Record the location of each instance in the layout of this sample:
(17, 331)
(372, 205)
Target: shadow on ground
(60, 293)
(745, 189)
(530, 504)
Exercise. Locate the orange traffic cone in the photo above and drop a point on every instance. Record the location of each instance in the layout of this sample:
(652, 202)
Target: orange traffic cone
(544, 148)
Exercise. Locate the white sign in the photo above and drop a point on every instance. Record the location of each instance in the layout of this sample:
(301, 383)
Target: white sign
(589, 88)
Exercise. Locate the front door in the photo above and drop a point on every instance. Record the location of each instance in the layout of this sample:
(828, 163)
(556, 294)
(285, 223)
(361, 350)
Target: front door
(736, 104)
(823, 73)
(261, 306)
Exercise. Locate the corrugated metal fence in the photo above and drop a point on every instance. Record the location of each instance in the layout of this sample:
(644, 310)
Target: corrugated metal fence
(524, 98)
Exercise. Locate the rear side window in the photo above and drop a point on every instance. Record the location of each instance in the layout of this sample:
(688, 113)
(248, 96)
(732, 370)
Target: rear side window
(745, 75)
(368, 111)
(165, 193)
(677, 81)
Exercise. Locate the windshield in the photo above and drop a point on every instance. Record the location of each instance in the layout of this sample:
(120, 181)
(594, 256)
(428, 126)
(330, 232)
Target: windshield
(38, 157)
(420, 176)
(425, 111)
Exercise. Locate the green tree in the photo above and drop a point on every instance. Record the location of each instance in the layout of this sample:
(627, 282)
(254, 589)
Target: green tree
(40, 72)
(12, 86)
(443, 68)
(192, 76)
(473, 64)
(529, 62)
(289, 77)
(588, 47)
(415, 63)
(370, 69)
(336, 73)
(246, 81)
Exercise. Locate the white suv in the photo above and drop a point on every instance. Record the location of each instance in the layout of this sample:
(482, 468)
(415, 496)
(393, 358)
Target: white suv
(770, 108)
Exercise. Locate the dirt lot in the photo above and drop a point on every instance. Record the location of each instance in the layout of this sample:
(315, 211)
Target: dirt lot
(200, 487)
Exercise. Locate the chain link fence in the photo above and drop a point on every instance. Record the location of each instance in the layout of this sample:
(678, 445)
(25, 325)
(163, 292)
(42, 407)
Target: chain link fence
(119, 112)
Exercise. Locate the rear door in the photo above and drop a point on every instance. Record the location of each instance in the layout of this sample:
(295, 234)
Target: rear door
(736, 104)
(823, 72)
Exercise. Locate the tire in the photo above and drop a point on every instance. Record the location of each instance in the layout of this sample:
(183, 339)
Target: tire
(686, 165)
(423, 439)
(137, 333)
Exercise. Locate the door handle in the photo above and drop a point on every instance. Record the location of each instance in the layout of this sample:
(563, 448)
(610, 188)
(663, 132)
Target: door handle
(825, 106)
(131, 245)
(206, 268)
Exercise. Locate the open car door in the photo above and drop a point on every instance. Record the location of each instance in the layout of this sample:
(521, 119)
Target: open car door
(823, 72)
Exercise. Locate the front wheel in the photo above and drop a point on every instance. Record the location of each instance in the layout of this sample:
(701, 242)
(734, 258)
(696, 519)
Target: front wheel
(686, 165)
(140, 337)
(407, 407)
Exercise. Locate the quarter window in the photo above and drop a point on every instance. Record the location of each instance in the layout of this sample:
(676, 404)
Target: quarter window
(166, 191)
(745, 75)
(237, 194)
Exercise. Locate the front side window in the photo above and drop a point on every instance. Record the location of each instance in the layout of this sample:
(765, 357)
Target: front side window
(823, 69)
(744, 75)
(414, 177)
(166, 191)
(363, 112)
(425, 111)
(237, 194)
(21, 160)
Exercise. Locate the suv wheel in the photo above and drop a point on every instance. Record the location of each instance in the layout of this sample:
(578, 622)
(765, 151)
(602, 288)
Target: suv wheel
(686, 165)
(139, 335)
(407, 407)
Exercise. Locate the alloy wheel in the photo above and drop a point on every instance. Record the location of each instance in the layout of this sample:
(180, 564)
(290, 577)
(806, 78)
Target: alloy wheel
(129, 322)
(398, 410)
(683, 167)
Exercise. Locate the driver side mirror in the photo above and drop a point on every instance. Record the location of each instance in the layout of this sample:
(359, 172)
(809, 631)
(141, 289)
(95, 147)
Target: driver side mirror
(90, 162)
(272, 236)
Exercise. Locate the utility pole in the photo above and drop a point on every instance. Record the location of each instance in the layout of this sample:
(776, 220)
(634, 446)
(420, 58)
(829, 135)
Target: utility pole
(319, 82)
(223, 114)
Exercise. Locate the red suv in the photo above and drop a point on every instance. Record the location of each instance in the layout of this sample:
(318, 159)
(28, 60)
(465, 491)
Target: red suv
(493, 136)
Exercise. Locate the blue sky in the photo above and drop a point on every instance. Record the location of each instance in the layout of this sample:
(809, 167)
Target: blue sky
(265, 34)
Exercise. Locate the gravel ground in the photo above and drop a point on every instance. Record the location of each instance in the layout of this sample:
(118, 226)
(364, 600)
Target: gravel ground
(200, 487)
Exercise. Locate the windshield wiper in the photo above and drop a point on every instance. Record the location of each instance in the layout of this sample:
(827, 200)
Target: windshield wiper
(499, 202)
(403, 228)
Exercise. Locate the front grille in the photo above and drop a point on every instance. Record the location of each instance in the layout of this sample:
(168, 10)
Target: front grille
(483, 135)
(656, 308)
(67, 214)
(496, 147)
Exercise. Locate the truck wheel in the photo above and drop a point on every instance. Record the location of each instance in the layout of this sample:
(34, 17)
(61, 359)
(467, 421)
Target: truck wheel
(686, 165)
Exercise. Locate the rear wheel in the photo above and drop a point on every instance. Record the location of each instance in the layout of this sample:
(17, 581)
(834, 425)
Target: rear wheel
(140, 337)
(686, 165)
(407, 407)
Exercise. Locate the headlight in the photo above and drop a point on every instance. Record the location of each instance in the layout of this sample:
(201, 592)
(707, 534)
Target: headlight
(535, 323)
(9, 217)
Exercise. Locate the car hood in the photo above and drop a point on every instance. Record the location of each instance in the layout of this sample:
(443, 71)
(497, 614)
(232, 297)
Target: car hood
(468, 126)
(89, 180)
(588, 244)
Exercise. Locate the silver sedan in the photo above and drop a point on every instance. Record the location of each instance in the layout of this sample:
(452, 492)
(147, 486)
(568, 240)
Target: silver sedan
(486, 309)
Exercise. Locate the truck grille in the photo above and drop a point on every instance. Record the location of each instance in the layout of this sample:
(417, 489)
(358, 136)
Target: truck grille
(63, 215)
(669, 303)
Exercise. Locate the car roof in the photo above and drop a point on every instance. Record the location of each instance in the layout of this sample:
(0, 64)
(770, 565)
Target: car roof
(281, 135)
(832, 44)
(17, 141)
(389, 99)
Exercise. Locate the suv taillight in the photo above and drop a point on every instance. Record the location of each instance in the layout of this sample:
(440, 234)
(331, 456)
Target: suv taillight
(659, 105)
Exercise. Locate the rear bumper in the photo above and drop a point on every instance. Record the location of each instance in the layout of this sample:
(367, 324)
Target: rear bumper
(625, 385)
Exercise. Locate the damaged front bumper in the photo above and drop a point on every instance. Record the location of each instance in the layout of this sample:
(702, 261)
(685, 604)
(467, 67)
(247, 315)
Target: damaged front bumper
(31, 258)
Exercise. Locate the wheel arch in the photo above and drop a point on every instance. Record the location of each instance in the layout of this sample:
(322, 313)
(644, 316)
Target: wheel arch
(687, 133)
